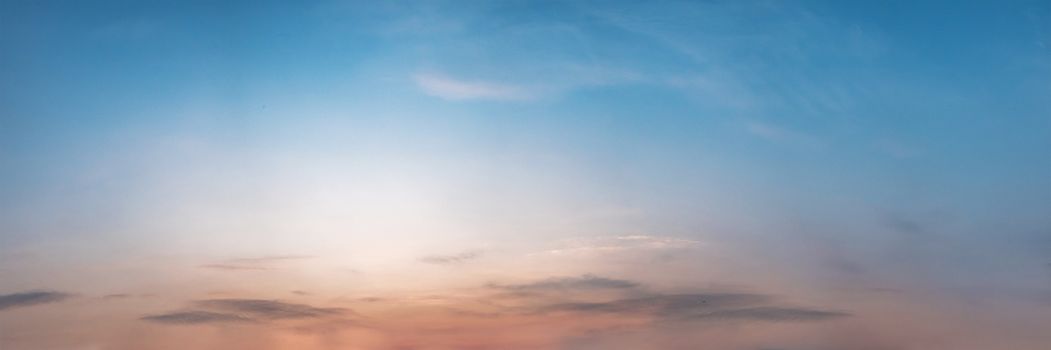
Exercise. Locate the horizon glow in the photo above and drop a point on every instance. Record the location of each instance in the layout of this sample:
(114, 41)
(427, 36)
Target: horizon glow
(534, 175)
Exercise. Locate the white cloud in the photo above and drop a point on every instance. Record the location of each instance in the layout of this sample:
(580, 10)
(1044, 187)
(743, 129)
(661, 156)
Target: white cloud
(615, 244)
(778, 134)
(454, 89)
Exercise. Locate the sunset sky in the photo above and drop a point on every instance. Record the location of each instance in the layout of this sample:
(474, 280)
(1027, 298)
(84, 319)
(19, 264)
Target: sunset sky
(525, 175)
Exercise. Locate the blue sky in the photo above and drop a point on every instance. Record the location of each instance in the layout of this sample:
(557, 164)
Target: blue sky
(836, 145)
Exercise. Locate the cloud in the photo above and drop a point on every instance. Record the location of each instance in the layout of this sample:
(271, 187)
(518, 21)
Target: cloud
(699, 306)
(712, 37)
(269, 309)
(453, 89)
(235, 267)
(117, 296)
(614, 244)
(782, 314)
(30, 298)
(246, 310)
(905, 224)
(585, 282)
(778, 134)
(589, 296)
(254, 263)
(452, 259)
(268, 259)
(195, 317)
(664, 305)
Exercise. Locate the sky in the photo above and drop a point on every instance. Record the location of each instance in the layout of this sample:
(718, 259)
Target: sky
(525, 175)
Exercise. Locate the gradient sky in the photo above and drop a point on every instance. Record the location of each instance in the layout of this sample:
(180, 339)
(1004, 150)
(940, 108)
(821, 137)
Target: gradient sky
(579, 175)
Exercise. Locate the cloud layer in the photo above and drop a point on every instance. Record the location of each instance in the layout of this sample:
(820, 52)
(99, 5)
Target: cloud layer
(30, 298)
(449, 88)
(195, 317)
(243, 310)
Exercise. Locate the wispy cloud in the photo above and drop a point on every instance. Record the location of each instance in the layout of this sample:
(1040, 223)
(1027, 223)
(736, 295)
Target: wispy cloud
(23, 299)
(585, 282)
(269, 259)
(779, 134)
(232, 267)
(253, 263)
(670, 305)
(269, 309)
(452, 259)
(770, 313)
(195, 317)
(700, 306)
(589, 297)
(612, 244)
(245, 310)
(449, 88)
(116, 296)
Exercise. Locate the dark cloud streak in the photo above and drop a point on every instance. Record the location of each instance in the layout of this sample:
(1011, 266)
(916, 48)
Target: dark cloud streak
(246, 311)
(269, 309)
(196, 317)
(674, 305)
(30, 298)
(714, 306)
(585, 282)
(779, 314)
(702, 306)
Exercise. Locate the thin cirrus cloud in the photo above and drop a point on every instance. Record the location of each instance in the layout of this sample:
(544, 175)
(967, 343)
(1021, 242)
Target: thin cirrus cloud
(117, 296)
(779, 134)
(552, 296)
(621, 244)
(449, 88)
(664, 305)
(585, 282)
(254, 263)
(195, 317)
(699, 307)
(233, 267)
(452, 259)
(548, 296)
(243, 310)
(771, 313)
(269, 309)
(24, 299)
